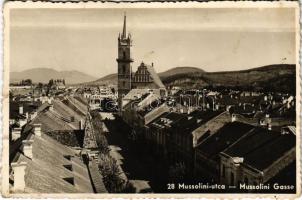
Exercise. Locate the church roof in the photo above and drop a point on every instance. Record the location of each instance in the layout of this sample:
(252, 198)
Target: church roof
(124, 28)
(155, 76)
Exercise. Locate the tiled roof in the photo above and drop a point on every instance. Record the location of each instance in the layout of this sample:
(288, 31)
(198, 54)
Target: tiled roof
(212, 125)
(66, 111)
(75, 104)
(155, 76)
(194, 120)
(51, 123)
(96, 178)
(227, 100)
(173, 117)
(136, 93)
(150, 107)
(286, 176)
(261, 147)
(27, 107)
(223, 138)
(45, 173)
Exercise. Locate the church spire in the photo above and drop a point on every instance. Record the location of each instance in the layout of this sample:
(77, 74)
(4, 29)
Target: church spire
(124, 35)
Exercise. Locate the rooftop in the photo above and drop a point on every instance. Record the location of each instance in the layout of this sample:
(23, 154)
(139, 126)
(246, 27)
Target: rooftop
(51, 123)
(136, 93)
(167, 118)
(27, 107)
(262, 143)
(46, 172)
(223, 138)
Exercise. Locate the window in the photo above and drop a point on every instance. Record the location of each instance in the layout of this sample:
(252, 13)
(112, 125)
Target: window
(69, 167)
(68, 157)
(223, 170)
(69, 180)
(232, 178)
(123, 69)
(124, 54)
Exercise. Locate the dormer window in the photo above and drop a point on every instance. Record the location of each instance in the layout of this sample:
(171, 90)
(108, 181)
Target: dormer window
(69, 167)
(68, 157)
(69, 180)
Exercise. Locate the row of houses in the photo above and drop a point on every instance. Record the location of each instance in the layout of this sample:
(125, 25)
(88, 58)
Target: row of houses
(46, 148)
(219, 145)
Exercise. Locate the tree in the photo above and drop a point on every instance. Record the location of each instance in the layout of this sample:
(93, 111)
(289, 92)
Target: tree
(111, 174)
(51, 82)
(11, 95)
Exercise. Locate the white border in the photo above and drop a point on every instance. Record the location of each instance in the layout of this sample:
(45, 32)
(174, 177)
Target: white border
(59, 5)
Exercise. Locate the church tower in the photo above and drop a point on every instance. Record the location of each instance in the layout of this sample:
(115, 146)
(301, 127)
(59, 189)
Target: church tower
(124, 61)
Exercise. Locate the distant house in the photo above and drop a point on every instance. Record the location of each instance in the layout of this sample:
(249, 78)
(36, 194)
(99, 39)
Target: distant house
(207, 159)
(40, 164)
(173, 134)
(257, 157)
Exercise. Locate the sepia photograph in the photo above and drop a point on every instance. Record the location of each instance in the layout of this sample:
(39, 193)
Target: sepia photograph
(157, 98)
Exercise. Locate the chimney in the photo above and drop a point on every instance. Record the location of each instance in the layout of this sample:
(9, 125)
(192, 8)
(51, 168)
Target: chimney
(269, 126)
(244, 106)
(234, 118)
(284, 131)
(37, 129)
(27, 148)
(27, 116)
(51, 107)
(19, 176)
(16, 133)
(21, 109)
(237, 160)
(81, 124)
(22, 122)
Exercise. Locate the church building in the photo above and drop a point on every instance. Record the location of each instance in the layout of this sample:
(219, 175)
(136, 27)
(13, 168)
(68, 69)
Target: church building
(144, 78)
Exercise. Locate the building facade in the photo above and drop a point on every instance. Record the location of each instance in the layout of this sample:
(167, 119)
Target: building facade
(144, 78)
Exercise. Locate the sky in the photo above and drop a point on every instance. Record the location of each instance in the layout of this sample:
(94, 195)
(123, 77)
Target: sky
(213, 39)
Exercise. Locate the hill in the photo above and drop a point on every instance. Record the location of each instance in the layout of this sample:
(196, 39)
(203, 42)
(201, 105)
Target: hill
(180, 70)
(112, 78)
(43, 75)
(274, 77)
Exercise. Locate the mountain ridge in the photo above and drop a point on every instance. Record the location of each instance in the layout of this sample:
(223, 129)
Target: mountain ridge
(181, 72)
(43, 75)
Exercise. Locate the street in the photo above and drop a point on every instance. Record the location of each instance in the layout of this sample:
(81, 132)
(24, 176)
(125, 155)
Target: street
(139, 167)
